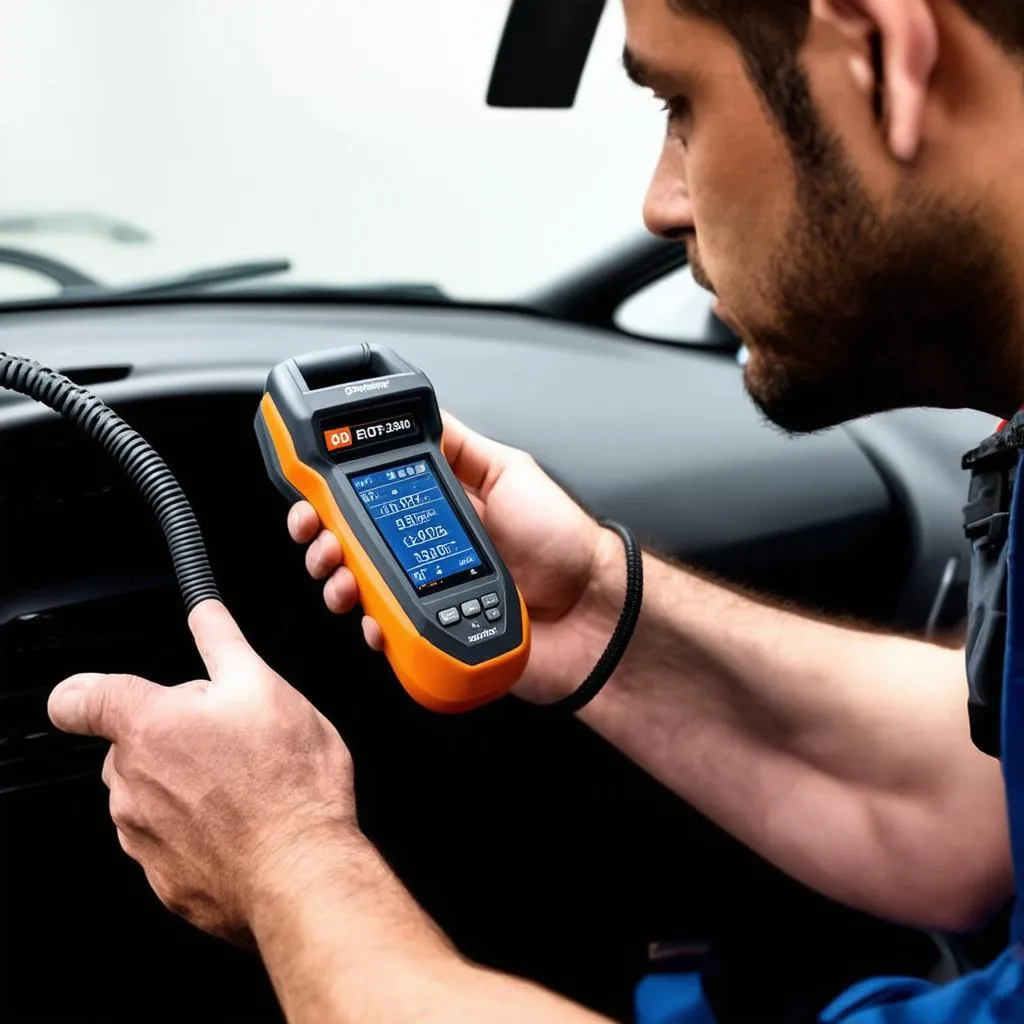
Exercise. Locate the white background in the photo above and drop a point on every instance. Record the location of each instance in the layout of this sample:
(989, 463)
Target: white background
(349, 135)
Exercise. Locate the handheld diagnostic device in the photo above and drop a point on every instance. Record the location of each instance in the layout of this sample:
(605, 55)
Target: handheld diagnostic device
(357, 433)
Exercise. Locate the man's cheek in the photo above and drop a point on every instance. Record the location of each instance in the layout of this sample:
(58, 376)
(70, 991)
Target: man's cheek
(719, 248)
(715, 268)
(737, 267)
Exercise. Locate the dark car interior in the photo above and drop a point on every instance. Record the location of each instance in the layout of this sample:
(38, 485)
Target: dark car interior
(538, 849)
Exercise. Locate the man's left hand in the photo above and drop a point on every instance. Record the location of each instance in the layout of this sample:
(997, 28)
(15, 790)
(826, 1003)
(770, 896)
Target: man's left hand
(213, 783)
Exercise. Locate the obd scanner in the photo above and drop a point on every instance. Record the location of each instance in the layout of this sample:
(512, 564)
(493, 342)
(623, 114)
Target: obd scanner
(357, 433)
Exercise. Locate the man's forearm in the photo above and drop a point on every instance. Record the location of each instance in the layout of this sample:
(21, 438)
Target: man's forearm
(344, 943)
(843, 757)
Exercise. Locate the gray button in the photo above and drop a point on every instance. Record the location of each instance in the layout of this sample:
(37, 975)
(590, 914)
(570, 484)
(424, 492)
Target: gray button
(489, 600)
(493, 614)
(448, 617)
(470, 608)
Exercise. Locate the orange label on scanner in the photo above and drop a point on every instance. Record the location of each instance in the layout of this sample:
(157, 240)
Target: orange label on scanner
(340, 438)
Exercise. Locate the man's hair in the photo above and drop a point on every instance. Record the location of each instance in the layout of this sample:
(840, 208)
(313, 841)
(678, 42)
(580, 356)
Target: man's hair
(787, 19)
(770, 34)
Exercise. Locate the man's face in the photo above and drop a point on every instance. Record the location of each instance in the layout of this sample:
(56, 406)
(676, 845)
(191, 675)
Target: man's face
(855, 288)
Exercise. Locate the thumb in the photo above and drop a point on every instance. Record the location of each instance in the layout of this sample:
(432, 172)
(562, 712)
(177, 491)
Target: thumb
(220, 642)
(475, 459)
(98, 705)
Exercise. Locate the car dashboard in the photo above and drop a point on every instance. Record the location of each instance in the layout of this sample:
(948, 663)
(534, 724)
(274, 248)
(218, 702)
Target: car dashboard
(498, 821)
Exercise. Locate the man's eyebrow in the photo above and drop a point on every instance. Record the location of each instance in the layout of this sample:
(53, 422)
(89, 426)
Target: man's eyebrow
(636, 70)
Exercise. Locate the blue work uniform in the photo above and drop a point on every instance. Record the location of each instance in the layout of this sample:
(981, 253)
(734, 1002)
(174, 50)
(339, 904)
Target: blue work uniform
(995, 994)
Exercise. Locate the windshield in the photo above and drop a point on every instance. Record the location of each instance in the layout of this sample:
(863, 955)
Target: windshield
(350, 138)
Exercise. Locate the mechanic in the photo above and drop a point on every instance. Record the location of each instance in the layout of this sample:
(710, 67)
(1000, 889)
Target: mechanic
(846, 175)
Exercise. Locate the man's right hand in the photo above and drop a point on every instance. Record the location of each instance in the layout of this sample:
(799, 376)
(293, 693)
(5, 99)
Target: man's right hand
(569, 570)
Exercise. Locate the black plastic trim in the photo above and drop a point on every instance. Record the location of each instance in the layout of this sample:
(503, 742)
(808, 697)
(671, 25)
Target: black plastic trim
(543, 52)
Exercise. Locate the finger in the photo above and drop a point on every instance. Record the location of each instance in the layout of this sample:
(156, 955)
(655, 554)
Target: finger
(124, 841)
(165, 892)
(476, 502)
(122, 809)
(99, 705)
(107, 774)
(372, 634)
(138, 844)
(303, 522)
(220, 642)
(476, 460)
(323, 556)
(341, 591)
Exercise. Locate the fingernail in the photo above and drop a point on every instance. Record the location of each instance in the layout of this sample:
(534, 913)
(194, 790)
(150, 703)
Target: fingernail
(66, 698)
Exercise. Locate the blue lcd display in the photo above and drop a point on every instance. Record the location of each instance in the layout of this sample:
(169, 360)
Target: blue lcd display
(415, 517)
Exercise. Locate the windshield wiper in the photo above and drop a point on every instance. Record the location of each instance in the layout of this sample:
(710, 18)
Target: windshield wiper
(73, 283)
(197, 280)
(399, 290)
(57, 271)
(75, 222)
(80, 289)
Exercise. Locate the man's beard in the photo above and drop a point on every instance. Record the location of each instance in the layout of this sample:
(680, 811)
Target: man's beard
(872, 313)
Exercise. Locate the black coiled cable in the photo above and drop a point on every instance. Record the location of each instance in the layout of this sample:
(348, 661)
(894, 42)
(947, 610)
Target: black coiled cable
(612, 655)
(133, 454)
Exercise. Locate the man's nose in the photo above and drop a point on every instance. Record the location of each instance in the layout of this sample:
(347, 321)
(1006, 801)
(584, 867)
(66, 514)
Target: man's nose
(668, 212)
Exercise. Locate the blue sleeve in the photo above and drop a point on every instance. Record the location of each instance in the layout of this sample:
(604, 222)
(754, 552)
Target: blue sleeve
(994, 995)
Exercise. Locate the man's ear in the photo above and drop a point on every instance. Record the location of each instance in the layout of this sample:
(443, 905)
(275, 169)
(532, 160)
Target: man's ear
(909, 41)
